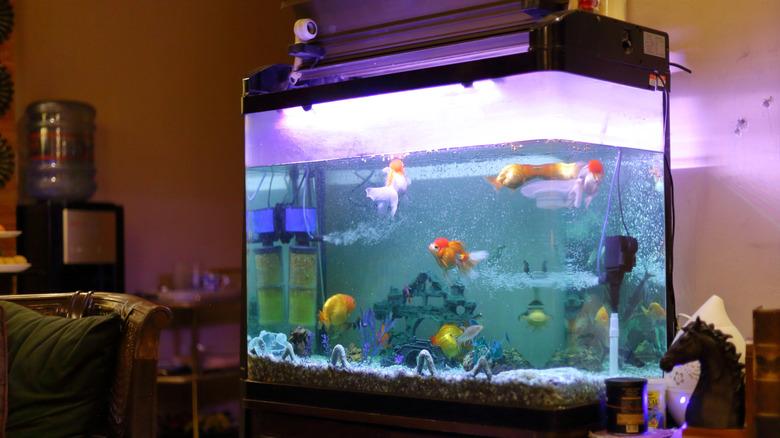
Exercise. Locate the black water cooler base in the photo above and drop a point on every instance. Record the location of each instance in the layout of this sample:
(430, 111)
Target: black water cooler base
(71, 246)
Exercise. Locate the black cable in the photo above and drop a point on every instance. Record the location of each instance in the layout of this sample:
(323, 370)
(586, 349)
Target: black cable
(620, 197)
(681, 67)
(270, 186)
(670, 299)
(298, 189)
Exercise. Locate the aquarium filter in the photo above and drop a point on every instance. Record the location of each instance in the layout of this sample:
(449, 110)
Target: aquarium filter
(300, 220)
(300, 223)
(619, 259)
(281, 222)
(260, 226)
(269, 284)
(302, 283)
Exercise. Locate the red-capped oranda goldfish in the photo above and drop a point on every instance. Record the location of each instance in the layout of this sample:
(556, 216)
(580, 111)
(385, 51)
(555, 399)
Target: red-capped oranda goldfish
(588, 182)
(451, 254)
(336, 310)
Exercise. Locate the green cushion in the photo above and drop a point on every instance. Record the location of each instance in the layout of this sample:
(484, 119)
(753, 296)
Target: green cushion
(59, 372)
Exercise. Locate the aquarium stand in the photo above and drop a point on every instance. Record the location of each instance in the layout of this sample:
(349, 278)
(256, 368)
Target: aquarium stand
(349, 411)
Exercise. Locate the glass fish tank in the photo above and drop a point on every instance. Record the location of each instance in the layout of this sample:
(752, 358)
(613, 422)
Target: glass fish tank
(469, 237)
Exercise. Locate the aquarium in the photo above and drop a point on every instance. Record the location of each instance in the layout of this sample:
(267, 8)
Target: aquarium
(499, 241)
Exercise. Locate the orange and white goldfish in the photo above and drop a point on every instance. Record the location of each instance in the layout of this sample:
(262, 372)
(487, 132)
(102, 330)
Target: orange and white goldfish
(451, 254)
(513, 176)
(396, 184)
(654, 311)
(336, 310)
(396, 176)
(447, 339)
(586, 176)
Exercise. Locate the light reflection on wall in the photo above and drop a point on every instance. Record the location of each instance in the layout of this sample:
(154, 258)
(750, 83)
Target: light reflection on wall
(727, 180)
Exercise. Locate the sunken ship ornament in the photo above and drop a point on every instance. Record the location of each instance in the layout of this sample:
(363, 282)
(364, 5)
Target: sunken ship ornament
(718, 401)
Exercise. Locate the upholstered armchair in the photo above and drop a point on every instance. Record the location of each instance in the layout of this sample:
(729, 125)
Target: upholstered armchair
(132, 410)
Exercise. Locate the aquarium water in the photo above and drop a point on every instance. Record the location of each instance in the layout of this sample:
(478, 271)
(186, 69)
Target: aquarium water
(391, 254)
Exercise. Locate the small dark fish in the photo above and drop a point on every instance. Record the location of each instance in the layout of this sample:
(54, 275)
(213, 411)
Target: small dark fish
(506, 335)
(544, 266)
(526, 268)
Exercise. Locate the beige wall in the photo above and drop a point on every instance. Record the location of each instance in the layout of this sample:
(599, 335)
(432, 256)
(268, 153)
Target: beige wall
(165, 77)
(727, 186)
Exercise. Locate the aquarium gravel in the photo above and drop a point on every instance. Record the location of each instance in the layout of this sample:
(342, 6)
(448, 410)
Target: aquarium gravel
(555, 388)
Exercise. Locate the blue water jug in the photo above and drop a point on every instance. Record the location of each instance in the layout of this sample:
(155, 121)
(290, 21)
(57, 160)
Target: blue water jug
(59, 152)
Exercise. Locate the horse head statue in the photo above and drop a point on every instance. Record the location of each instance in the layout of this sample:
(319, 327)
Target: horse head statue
(718, 401)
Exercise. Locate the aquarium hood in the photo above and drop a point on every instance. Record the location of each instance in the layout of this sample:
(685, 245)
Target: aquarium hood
(469, 93)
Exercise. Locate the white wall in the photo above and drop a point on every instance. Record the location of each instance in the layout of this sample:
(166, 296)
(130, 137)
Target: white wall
(727, 185)
(165, 77)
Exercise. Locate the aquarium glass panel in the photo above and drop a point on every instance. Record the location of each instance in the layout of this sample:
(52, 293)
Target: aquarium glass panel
(461, 234)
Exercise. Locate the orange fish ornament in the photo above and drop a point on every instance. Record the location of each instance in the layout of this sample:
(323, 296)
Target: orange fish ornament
(336, 310)
(451, 254)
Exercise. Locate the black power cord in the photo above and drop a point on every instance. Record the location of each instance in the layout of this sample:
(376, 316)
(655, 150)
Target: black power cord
(669, 188)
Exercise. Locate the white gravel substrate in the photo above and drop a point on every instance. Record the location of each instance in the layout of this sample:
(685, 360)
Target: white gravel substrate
(555, 388)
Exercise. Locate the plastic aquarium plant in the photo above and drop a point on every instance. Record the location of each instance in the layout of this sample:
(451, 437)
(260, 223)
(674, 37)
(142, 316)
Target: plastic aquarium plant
(325, 343)
(374, 335)
(493, 350)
